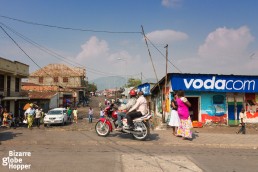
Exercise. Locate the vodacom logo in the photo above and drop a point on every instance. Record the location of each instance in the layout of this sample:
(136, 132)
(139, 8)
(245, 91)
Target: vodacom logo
(220, 84)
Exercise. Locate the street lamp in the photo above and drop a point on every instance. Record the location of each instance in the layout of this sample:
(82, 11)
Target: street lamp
(121, 59)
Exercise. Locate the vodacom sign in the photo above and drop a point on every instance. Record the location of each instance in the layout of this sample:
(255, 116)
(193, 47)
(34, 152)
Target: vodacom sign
(215, 83)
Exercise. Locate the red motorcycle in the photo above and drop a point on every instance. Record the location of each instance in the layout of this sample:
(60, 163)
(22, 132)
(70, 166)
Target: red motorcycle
(107, 124)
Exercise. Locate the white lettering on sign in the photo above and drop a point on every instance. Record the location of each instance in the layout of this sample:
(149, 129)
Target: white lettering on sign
(220, 84)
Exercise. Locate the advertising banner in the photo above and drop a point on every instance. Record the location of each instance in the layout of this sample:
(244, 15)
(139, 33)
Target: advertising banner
(145, 88)
(215, 83)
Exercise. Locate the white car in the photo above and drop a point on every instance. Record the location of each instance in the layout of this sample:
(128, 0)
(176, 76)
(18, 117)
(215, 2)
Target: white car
(56, 116)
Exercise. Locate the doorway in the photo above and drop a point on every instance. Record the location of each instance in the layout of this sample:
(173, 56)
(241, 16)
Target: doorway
(194, 109)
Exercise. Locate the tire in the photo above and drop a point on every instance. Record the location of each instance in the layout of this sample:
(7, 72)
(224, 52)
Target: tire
(144, 126)
(102, 129)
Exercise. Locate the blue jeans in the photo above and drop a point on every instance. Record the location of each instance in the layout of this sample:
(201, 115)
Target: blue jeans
(90, 118)
(120, 115)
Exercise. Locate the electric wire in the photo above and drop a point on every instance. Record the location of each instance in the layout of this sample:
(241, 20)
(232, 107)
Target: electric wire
(163, 55)
(50, 52)
(69, 28)
(91, 70)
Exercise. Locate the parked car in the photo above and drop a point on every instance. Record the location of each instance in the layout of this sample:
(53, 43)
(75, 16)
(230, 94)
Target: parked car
(56, 116)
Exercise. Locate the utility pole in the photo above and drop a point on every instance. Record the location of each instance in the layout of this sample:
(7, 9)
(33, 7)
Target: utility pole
(141, 77)
(165, 89)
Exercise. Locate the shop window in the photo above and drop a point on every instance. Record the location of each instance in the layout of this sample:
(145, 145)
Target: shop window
(218, 99)
(17, 84)
(1, 82)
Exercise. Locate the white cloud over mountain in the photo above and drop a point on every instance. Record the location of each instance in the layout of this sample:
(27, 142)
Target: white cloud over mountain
(166, 36)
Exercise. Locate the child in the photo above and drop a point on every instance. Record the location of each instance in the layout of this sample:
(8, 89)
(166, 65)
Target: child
(242, 118)
(101, 113)
(90, 115)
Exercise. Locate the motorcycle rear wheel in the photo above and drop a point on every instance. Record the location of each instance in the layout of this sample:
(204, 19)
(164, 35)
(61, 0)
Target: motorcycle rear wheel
(102, 129)
(145, 131)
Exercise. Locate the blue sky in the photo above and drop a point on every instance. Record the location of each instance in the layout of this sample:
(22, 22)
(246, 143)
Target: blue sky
(203, 36)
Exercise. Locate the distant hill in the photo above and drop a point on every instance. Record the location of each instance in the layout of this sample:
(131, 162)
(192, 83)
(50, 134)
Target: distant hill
(114, 82)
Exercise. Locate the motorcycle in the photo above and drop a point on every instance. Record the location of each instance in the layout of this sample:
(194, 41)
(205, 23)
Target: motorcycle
(107, 124)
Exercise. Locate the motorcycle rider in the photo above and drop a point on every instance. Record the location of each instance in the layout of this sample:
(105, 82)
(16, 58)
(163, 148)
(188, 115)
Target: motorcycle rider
(138, 110)
(124, 108)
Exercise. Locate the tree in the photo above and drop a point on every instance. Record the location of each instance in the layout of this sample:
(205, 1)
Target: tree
(90, 87)
(133, 82)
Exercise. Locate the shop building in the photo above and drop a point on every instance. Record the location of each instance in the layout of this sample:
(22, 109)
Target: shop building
(216, 98)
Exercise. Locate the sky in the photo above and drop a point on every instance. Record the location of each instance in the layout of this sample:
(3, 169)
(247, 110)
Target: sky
(106, 36)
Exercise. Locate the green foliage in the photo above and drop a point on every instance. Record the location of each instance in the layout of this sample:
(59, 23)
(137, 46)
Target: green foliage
(131, 82)
(90, 87)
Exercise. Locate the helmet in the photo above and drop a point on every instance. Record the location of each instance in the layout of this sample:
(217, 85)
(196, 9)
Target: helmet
(132, 93)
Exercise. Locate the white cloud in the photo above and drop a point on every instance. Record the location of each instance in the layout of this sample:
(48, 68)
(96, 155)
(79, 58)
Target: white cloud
(100, 61)
(93, 48)
(166, 36)
(225, 51)
(171, 3)
(226, 43)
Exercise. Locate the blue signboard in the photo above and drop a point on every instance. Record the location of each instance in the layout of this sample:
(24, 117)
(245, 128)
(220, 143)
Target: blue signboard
(145, 88)
(215, 83)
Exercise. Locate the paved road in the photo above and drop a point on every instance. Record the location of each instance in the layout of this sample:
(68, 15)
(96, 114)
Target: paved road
(76, 147)
(59, 149)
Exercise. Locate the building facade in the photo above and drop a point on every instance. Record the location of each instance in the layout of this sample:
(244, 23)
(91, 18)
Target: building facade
(215, 99)
(11, 73)
(67, 82)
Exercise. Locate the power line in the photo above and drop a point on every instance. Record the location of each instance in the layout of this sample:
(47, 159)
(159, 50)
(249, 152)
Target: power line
(69, 28)
(163, 55)
(56, 55)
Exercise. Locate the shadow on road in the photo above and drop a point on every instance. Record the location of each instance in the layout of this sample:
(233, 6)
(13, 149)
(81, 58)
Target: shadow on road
(152, 136)
(8, 135)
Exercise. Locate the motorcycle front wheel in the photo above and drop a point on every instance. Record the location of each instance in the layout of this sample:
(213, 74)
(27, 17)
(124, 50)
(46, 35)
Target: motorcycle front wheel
(142, 130)
(102, 129)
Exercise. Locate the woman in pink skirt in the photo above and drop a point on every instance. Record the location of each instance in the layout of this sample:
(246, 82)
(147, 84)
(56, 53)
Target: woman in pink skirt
(185, 126)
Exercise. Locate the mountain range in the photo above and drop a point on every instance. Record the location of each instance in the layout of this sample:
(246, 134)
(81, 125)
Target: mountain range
(114, 82)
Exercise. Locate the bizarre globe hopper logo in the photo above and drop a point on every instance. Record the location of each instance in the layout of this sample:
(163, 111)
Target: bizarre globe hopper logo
(220, 84)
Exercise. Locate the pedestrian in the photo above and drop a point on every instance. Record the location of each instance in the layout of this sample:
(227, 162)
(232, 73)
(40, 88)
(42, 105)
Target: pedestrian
(242, 120)
(75, 115)
(5, 118)
(174, 121)
(38, 116)
(69, 114)
(184, 129)
(90, 113)
(30, 112)
(100, 105)
(105, 102)
(101, 113)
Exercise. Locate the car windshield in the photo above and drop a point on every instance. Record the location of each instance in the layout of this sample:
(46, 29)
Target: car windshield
(55, 112)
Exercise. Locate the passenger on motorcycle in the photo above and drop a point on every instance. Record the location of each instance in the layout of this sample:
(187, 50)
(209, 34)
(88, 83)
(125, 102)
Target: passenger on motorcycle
(138, 110)
(122, 109)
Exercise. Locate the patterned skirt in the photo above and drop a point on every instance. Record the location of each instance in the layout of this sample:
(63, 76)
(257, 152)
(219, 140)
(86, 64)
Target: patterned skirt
(184, 128)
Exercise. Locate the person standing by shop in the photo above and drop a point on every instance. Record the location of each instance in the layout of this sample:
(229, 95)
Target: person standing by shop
(184, 129)
(242, 120)
(174, 121)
